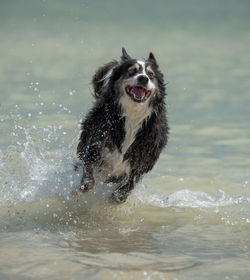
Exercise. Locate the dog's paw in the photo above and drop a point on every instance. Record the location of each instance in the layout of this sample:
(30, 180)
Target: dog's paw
(87, 185)
(117, 198)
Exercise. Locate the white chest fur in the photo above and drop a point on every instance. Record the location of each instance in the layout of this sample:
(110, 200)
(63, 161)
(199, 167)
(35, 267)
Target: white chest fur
(134, 114)
(113, 164)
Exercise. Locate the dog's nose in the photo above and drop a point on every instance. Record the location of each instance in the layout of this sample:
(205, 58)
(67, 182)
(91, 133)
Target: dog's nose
(142, 79)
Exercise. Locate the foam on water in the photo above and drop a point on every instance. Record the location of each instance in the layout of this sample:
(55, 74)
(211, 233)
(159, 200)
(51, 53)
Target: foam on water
(190, 199)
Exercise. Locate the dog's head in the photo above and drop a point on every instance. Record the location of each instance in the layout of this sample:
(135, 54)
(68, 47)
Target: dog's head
(140, 81)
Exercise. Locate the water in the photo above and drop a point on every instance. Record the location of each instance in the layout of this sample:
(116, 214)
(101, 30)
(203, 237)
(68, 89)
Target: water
(189, 218)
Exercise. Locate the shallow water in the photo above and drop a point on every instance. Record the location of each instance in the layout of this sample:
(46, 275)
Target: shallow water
(189, 218)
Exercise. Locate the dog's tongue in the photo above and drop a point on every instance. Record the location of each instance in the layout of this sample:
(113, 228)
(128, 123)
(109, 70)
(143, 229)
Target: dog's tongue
(138, 92)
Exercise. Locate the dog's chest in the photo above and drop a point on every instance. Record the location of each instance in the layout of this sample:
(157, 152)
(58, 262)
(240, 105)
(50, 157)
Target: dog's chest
(134, 115)
(114, 164)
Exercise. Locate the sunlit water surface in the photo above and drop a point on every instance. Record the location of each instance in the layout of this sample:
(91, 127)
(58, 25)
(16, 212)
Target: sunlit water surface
(189, 218)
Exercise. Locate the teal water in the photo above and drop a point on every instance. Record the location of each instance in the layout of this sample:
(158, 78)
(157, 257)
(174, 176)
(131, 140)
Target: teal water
(189, 218)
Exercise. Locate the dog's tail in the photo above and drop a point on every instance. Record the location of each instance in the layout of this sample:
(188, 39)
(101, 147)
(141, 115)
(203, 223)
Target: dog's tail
(102, 77)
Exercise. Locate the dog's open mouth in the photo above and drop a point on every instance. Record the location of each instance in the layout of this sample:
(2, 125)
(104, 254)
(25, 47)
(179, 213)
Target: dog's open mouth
(138, 94)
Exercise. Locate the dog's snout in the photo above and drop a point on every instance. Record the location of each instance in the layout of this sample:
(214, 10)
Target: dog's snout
(142, 79)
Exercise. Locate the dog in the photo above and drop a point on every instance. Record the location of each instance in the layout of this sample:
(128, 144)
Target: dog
(124, 133)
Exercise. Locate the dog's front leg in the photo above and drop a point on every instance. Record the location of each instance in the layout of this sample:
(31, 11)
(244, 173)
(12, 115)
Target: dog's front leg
(87, 182)
(121, 193)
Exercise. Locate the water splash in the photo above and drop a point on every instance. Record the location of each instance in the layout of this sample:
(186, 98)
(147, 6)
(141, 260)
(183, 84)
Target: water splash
(32, 170)
(28, 172)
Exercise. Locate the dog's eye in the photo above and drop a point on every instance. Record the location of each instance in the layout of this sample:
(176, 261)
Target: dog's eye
(132, 71)
(151, 74)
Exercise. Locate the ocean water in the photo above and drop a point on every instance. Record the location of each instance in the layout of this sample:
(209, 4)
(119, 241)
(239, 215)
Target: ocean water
(190, 217)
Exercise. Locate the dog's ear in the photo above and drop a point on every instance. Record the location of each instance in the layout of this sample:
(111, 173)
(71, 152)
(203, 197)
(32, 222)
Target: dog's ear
(102, 77)
(125, 55)
(152, 59)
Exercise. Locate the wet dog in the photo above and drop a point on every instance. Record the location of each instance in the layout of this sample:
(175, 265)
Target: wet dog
(124, 133)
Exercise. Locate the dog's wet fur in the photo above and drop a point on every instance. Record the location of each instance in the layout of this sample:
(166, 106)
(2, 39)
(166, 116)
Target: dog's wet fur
(124, 133)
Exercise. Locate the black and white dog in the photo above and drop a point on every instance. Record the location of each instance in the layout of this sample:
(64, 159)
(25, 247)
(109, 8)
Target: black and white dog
(124, 133)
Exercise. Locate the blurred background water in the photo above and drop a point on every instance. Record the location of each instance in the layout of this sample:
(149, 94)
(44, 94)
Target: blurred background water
(189, 218)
